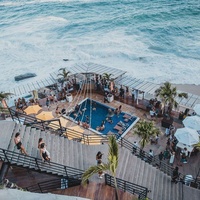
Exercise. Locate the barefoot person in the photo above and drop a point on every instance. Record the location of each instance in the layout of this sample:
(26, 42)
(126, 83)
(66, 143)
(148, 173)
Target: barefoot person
(18, 143)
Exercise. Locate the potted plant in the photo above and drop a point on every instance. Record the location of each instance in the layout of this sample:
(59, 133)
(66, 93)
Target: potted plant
(69, 97)
(110, 97)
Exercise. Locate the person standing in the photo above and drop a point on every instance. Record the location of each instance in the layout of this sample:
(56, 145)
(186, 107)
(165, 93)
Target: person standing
(175, 175)
(172, 157)
(160, 156)
(99, 156)
(135, 145)
(150, 155)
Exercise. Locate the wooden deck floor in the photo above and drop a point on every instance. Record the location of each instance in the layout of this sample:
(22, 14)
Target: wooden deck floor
(95, 191)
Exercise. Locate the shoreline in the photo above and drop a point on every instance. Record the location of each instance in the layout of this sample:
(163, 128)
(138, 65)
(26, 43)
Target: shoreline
(188, 88)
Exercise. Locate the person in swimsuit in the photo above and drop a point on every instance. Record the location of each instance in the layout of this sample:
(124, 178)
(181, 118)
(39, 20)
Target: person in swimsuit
(45, 155)
(18, 143)
(99, 156)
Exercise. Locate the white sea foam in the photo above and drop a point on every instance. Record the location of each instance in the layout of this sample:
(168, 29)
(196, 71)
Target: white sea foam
(39, 43)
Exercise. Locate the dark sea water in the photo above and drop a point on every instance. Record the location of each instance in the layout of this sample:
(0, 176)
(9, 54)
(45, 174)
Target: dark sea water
(155, 40)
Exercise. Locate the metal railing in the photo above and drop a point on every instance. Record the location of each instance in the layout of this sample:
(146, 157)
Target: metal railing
(54, 184)
(126, 186)
(36, 164)
(155, 161)
(57, 129)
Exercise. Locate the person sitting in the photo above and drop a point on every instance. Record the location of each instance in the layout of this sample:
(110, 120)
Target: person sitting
(45, 155)
(18, 143)
(109, 120)
(85, 125)
(100, 128)
(63, 111)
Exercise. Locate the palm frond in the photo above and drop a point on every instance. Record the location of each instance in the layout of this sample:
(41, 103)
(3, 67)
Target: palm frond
(93, 170)
(113, 155)
(4, 95)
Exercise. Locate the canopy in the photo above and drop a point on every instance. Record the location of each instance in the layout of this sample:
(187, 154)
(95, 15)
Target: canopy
(45, 115)
(187, 136)
(32, 109)
(55, 124)
(197, 109)
(192, 122)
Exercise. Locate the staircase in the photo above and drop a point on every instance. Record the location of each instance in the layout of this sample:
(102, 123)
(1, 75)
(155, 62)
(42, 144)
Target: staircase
(135, 170)
(63, 151)
(79, 156)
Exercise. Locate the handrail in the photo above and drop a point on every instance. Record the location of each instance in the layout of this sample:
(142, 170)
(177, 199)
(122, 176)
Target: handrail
(127, 186)
(154, 161)
(63, 131)
(36, 164)
(53, 184)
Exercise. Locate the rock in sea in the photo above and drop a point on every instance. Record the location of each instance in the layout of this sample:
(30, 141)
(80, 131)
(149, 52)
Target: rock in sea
(24, 76)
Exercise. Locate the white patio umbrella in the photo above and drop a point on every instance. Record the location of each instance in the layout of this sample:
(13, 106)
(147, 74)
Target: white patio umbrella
(192, 122)
(197, 109)
(187, 136)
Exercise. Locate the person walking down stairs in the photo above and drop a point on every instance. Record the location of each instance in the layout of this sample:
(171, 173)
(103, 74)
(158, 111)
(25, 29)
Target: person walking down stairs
(18, 143)
(99, 156)
(45, 155)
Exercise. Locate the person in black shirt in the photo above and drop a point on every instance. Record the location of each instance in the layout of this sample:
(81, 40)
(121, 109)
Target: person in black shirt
(175, 175)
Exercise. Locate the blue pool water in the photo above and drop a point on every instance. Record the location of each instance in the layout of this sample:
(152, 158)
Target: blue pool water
(99, 114)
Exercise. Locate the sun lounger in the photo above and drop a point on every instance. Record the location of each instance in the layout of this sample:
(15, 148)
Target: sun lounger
(117, 127)
(127, 117)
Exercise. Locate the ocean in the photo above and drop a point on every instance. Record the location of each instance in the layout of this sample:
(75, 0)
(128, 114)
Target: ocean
(155, 40)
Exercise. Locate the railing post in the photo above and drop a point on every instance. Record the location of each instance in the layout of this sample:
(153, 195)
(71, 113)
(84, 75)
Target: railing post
(37, 164)
(124, 186)
(121, 142)
(65, 168)
(5, 155)
(10, 113)
(40, 188)
(88, 140)
(106, 179)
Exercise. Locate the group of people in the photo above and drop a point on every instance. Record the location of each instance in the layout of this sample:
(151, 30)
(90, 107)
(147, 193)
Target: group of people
(45, 155)
(20, 103)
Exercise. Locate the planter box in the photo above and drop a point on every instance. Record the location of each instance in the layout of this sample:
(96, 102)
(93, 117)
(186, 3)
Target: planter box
(110, 98)
(69, 97)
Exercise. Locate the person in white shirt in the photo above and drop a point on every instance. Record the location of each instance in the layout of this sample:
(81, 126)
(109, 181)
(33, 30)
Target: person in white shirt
(135, 145)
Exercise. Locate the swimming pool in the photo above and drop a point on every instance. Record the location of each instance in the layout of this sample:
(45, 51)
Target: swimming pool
(95, 113)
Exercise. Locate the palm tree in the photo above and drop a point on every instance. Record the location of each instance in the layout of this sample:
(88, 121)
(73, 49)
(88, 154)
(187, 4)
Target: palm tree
(111, 165)
(197, 146)
(108, 78)
(168, 94)
(63, 74)
(146, 130)
(4, 96)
